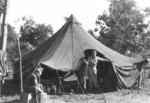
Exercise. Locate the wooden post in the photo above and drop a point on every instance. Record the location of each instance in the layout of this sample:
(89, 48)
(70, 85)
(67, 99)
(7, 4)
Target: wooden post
(144, 78)
(20, 65)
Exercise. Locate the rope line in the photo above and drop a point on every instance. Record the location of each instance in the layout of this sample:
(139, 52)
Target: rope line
(18, 76)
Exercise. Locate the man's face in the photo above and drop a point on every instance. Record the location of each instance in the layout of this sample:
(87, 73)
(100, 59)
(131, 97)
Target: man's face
(94, 53)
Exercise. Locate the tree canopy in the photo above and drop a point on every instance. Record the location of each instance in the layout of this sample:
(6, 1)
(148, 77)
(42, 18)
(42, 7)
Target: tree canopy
(32, 34)
(12, 48)
(35, 33)
(1, 6)
(123, 27)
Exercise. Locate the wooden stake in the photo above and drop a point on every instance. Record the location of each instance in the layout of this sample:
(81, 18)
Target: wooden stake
(20, 65)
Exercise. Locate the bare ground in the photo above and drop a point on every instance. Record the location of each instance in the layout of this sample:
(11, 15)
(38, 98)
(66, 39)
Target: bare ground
(113, 97)
(123, 96)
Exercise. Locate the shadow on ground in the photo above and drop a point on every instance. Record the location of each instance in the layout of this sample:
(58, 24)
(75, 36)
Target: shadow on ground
(13, 101)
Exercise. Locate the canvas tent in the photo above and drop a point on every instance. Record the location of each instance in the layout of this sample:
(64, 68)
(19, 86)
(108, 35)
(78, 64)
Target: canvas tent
(67, 46)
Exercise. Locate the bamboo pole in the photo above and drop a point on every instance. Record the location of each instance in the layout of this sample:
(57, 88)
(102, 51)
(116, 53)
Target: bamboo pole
(20, 65)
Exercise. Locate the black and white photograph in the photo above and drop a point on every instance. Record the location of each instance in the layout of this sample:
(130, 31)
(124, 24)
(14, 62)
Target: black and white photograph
(74, 51)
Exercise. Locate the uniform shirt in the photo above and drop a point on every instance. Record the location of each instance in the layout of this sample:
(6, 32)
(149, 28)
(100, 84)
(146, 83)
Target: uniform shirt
(31, 80)
(82, 67)
(92, 61)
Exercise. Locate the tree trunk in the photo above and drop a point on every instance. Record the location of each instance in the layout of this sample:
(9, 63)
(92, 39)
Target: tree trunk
(4, 33)
(1, 37)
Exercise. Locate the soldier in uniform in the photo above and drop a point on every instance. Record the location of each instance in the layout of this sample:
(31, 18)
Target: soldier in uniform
(32, 85)
(92, 70)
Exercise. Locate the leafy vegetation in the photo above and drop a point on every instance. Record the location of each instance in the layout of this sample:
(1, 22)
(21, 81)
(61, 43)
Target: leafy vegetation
(12, 48)
(123, 27)
(1, 6)
(32, 35)
(35, 33)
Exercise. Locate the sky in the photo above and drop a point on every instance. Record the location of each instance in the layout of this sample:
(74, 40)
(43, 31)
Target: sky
(53, 11)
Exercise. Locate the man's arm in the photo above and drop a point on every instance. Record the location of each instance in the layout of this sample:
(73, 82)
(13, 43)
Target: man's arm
(102, 59)
(34, 80)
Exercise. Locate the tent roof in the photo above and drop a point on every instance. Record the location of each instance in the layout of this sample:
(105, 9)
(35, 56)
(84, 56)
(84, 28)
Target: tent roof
(66, 46)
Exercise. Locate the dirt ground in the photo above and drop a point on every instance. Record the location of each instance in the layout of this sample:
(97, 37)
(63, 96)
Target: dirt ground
(123, 96)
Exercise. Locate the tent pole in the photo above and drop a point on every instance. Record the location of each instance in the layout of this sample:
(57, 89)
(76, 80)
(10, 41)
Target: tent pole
(144, 77)
(144, 67)
(20, 64)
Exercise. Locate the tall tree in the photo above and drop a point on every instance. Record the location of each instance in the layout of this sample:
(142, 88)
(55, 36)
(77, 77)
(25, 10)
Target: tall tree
(35, 33)
(123, 27)
(3, 35)
(1, 7)
(12, 49)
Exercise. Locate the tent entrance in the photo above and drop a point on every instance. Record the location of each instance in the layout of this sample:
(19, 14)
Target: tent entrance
(50, 78)
(106, 77)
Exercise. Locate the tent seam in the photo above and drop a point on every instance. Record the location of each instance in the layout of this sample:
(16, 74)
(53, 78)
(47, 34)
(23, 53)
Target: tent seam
(54, 42)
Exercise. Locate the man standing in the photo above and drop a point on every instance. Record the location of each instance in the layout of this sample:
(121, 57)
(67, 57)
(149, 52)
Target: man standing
(92, 71)
(32, 85)
(81, 72)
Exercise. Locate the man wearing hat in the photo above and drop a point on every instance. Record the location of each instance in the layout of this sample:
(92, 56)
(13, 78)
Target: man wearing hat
(32, 85)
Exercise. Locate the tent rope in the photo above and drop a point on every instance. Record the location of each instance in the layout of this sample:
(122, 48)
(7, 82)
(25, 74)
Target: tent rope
(18, 75)
(22, 68)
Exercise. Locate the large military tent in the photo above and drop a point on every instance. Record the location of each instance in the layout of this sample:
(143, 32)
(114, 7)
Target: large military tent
(67, 46)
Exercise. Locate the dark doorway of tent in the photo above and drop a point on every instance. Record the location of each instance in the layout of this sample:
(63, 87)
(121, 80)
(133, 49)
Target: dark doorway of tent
(106, 77)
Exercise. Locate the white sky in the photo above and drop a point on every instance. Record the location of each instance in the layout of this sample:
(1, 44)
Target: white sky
(53, 11)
